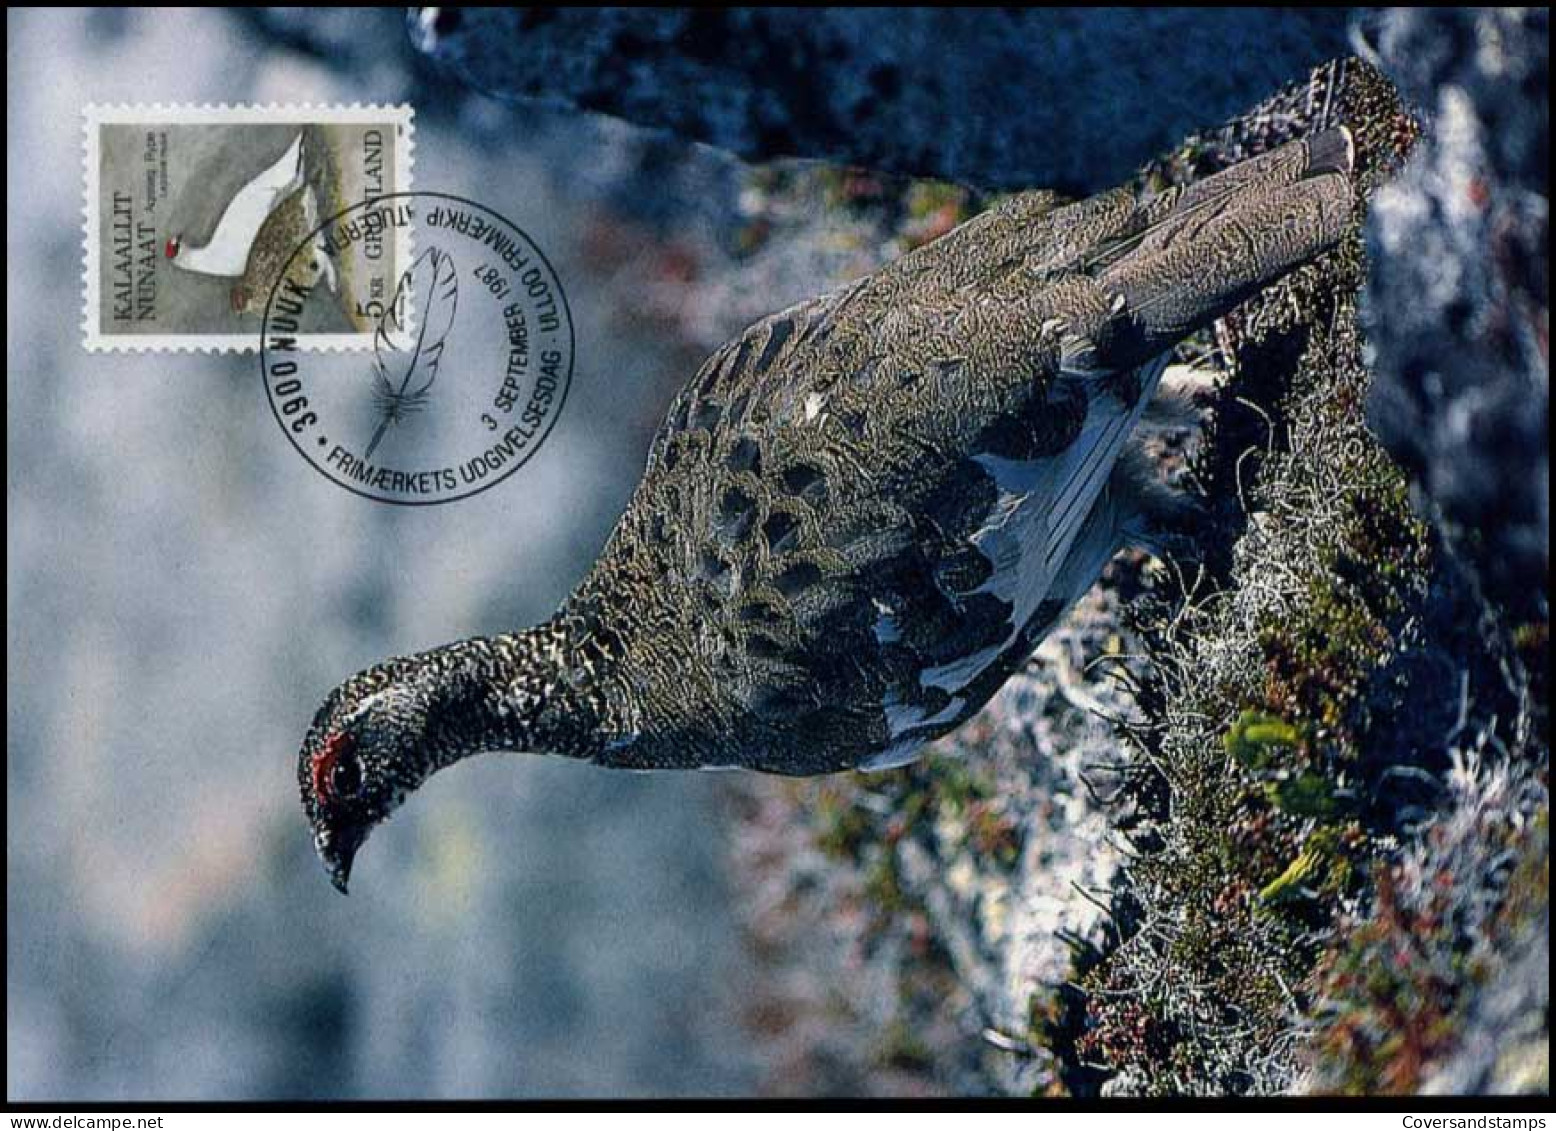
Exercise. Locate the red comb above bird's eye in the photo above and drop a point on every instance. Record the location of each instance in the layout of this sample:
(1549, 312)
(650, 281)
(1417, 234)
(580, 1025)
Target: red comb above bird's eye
(323, 763)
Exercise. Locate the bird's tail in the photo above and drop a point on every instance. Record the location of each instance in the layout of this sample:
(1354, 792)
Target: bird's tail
(1202, 251)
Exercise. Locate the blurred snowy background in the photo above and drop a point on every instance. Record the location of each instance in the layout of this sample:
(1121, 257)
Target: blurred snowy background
(182, 590)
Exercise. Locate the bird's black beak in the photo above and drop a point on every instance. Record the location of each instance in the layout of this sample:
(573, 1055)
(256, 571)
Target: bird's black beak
(340, 875)
(337, 857)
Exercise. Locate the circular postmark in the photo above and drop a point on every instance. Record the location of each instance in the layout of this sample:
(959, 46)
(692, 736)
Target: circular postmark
(463, 372)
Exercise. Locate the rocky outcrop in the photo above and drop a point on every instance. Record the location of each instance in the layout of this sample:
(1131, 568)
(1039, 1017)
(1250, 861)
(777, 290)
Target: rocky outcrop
(1321, 738)
(1309, 850)
(1002, 98)
(1458, 305)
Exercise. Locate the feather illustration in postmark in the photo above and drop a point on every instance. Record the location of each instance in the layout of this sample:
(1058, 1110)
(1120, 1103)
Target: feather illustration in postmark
(407, 356)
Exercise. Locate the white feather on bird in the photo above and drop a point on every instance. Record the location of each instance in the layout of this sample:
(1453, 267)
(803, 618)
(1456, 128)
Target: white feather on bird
(226, 253)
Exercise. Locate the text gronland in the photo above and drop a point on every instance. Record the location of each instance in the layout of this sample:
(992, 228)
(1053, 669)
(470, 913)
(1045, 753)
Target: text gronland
(366, 228)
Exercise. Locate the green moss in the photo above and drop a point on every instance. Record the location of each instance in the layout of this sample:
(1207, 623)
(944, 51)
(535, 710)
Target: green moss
(1311, 874)
(1311, 794)
(1254, 733)
(1263, 823)
(864, 819)
(953, 785)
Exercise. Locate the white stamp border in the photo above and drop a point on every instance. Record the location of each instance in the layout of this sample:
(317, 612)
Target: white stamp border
(94, 115)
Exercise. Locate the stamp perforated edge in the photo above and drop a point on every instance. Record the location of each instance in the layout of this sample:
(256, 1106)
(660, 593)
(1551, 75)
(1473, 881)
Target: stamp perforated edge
(94, 115)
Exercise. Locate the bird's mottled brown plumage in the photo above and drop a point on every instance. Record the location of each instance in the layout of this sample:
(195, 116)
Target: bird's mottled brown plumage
(272, 253)
(862, 513)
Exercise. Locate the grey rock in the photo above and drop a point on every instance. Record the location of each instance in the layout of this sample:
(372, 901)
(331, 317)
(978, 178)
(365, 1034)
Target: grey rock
(1458, 300)
(1071, 99)
(1506, 1046)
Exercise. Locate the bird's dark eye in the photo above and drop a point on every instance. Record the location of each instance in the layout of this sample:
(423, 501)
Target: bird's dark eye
(346, 775)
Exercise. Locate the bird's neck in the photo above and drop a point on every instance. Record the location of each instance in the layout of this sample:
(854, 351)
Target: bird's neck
(522, 691)
(210, 260)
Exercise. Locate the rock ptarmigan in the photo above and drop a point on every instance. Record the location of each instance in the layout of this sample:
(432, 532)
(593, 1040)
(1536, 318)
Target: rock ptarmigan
(258, 230)
(862, 514)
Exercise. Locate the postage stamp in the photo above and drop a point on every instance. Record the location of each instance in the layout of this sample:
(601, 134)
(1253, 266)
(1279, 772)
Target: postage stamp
(193, 215)
(471, 362)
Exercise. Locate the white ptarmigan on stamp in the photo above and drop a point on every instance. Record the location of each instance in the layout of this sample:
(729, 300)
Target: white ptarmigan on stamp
(258, 230)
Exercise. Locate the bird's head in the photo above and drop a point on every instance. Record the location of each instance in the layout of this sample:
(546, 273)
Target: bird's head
(173, 246)
(386, 730)
(365, 753)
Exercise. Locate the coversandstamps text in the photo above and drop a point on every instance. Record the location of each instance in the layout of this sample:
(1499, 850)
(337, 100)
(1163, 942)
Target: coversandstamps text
(195, 214)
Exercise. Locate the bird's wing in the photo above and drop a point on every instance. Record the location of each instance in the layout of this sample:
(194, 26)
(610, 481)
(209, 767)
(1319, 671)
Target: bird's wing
(1073, 480)
(748, 371)
(227, 250)
(876, 491)
(1194, 256)
(867, 505)
(813, 501)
